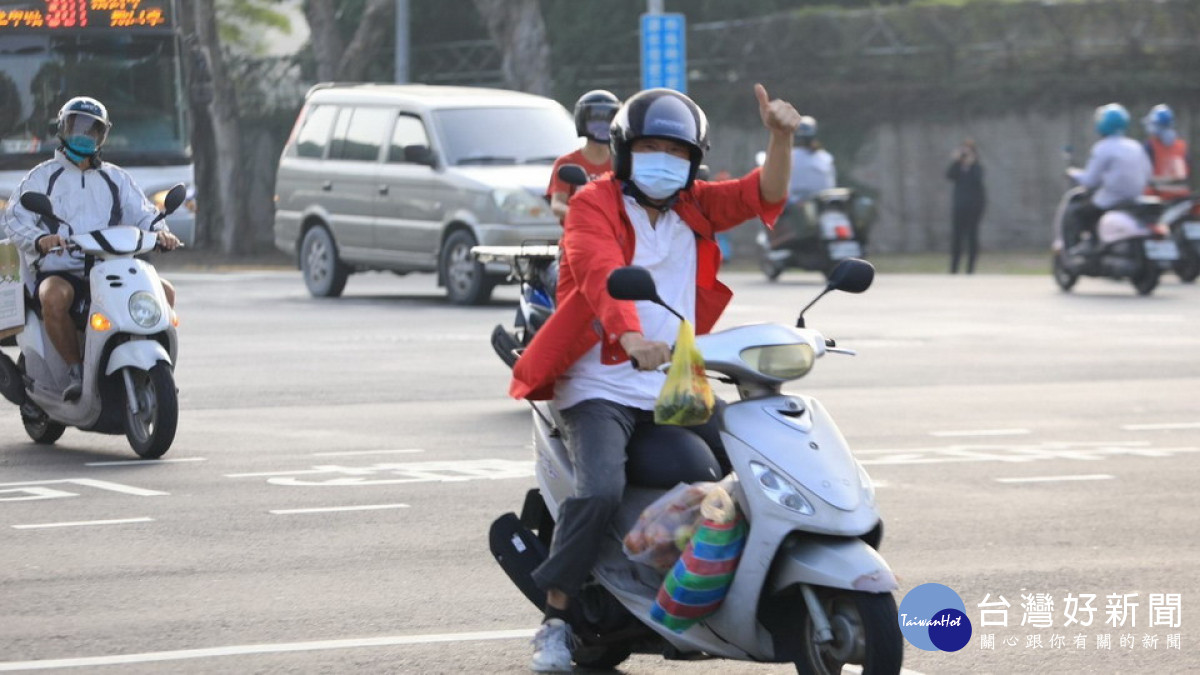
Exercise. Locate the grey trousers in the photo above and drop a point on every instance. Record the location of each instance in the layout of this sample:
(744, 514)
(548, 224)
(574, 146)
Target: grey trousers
(597, 433)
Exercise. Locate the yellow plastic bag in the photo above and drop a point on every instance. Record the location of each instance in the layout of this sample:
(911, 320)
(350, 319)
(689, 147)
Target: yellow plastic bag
(686, 397)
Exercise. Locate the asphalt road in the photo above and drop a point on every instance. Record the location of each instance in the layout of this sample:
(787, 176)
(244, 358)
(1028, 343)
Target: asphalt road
(1029, 445)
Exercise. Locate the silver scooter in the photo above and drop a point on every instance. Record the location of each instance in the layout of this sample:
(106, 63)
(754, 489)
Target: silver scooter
(810, 588)
(129, 345)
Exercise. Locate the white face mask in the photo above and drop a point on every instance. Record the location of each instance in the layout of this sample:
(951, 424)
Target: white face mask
(658, 174)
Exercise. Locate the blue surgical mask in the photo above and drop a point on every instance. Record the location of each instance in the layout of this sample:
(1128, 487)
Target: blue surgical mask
(658, 174)
(1167, 136)
(79, 147)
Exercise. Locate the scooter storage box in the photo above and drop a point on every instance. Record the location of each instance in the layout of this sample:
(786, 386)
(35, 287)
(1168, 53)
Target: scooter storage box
(12, 291)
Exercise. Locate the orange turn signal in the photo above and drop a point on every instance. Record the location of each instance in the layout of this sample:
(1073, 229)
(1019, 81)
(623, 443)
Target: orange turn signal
(174, 319)
(100, 322)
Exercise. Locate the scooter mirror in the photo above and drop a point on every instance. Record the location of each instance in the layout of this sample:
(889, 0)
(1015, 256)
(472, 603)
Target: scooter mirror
(852, 275)
(572, 174)
(632, 283)
(174, 198)
(38, 203)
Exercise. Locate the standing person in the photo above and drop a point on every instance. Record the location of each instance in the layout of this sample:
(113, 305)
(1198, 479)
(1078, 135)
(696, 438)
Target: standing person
(650, 212)
(594, 112)
(1168, 154)
(90, 194)
(969, 200)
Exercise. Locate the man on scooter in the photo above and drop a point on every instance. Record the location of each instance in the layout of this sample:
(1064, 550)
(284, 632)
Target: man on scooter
(89, 194)
(594, 112)
(650, 212)
(1117, 172)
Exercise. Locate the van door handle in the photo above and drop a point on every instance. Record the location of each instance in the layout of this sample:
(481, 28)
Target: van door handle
(383, 189)
(327, 185)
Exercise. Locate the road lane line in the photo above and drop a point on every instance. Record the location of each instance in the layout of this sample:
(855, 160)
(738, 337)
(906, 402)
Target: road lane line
(147, 462)
(318, 645)
(1160, 427)
(980, 432)
(334, 509)
(1053, 479)
(351, 453)
(235, 650)
(120, 521)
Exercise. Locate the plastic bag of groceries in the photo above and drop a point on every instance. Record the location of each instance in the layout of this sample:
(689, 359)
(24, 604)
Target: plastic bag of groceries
(686, 398)
(666, 527)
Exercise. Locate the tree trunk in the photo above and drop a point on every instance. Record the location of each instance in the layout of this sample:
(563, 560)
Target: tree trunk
(226, 132)
(338, 60)
(517, 28)
(327, 43)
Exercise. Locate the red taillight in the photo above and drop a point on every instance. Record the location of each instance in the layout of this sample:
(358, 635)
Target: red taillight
(1160, 231)
(843, 232)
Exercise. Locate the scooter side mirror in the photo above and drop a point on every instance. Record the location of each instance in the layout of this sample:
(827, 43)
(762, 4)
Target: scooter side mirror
(572, 174)
(852, 275)
(632, 283)
(174, 198)
(39, 204)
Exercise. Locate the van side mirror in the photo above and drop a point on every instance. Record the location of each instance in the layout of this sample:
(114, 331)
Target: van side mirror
(420, 154)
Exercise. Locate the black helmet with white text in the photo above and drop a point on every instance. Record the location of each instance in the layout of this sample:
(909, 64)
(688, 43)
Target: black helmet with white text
(594, 112)
(659, 113)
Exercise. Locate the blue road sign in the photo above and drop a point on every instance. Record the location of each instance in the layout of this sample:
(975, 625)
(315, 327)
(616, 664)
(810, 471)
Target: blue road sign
(664, 51)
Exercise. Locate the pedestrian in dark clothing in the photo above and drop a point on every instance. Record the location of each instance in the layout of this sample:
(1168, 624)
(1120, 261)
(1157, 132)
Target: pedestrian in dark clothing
(969, 200)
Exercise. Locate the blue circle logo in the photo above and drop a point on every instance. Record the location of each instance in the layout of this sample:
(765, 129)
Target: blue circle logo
(934, 618)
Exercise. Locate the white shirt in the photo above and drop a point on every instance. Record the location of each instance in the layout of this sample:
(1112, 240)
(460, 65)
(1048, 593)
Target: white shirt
(89, 200)
(811, 173)
(1118, 170)
(668, 251)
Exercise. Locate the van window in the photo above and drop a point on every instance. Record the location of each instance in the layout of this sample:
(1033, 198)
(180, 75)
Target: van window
(359, 134)
(409, 132)
(506, 135)
(313, 136)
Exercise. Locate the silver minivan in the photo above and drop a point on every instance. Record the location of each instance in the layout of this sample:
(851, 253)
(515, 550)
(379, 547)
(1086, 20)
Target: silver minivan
(408, 178)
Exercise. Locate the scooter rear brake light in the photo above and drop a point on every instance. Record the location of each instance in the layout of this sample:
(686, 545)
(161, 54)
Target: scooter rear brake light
(100, 323)
(843, 232)
(1160, 231)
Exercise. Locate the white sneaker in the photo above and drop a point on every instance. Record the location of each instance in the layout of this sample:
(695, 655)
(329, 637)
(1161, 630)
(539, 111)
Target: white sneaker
(552, 647)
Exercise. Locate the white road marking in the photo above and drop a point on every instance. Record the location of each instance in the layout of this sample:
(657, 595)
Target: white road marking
(82, 523)
(151, 462)
(1160, 427)
(413, 472)
(1018, 454)
(1054, 479)
(34, 492)
(980, 432)
(236, 650)
(91, 482)
(333, 509)
(314, 646)
(350, 453)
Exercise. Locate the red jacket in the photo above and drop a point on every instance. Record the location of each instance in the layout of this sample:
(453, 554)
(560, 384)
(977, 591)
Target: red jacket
(599, 238)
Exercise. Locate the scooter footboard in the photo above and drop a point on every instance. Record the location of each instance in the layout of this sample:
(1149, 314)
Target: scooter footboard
(835, 562)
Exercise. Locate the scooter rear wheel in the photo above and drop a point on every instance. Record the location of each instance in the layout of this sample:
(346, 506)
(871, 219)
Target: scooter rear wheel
(1187, 267)
(1064, 277)
(43, 431)
(866, 632)
(151, 430)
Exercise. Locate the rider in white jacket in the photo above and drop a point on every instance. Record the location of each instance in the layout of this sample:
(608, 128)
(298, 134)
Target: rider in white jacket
(89, 194)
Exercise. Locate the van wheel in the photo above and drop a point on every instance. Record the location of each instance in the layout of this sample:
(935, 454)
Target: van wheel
(324, 274)
(466, 283)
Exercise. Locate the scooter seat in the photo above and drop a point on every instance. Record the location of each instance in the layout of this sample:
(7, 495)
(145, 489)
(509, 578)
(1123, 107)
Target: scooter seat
(664, 456)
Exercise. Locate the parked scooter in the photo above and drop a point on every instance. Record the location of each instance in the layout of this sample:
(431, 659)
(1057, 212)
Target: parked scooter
(130, 345)
(535, 268)
(810, 588)
(1131, 242)
(815, 234)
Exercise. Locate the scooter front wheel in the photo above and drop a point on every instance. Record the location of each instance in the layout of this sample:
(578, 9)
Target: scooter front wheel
(1064, 277)
(151, 429)
(866, 632)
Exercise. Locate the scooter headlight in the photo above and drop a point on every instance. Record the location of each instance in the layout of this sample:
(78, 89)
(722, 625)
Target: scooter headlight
(780, 490)
(144, 309)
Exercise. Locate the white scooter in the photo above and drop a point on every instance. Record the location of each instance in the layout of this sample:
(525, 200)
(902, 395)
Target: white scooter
(129, 345)
(810, 588)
